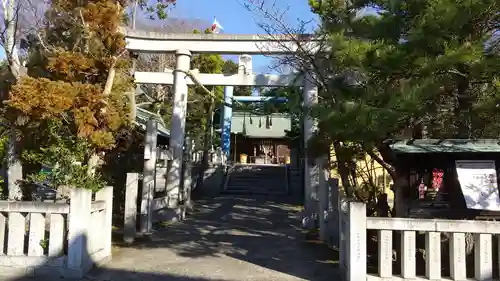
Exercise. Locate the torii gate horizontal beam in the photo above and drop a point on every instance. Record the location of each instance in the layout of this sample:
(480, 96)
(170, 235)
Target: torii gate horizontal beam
(158, 42)
(258, 99)
(258, 80)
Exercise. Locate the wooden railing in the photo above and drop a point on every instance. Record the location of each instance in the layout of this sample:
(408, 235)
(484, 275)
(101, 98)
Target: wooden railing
(56, 239)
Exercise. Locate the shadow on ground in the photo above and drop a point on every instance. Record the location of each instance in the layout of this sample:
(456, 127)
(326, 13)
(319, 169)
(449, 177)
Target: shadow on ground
(126, 276)
(258, 235)
(224, 238)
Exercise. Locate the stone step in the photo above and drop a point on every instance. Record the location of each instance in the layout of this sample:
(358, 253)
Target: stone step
(241, 178)
(249, 185)
(257, 174)
(243, 185)
(254, 179)
(282, 177)
(254, 187)
(257, 180)
(249, 192)
(260, 187)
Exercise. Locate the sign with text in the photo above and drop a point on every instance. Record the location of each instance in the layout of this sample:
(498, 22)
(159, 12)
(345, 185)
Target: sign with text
(478, 181)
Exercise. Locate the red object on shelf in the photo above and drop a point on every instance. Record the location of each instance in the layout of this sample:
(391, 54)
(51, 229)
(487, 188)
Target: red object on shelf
(437, 178)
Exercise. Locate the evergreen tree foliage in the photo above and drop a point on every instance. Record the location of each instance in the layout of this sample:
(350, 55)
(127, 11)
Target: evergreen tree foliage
(412, 69)
(71, 108)
(420, 64)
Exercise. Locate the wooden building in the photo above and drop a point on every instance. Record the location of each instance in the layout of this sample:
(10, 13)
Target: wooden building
(258, 139)
(452, 179)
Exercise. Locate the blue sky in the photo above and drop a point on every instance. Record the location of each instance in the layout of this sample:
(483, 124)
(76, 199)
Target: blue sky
(236, 19)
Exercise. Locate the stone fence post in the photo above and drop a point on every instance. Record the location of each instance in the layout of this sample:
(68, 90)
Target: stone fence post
(78, 232)
(333, 213)
(81, 229)
(130, 212)
(353, 240)
(149, 176)
(106, 195)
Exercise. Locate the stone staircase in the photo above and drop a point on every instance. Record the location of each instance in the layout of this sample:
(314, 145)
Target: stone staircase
(257, 179)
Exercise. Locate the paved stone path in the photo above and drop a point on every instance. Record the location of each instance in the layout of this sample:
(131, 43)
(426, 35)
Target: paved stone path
(226, 238)
(236, 238)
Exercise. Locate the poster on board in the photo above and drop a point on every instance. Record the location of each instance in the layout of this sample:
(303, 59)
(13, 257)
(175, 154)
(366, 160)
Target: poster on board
(478, 181)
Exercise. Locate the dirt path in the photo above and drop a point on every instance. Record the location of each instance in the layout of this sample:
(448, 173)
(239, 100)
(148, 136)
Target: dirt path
(226, 238)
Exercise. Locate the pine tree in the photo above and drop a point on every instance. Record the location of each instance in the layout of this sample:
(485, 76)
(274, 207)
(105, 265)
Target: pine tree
(418, 62)
(424, 66)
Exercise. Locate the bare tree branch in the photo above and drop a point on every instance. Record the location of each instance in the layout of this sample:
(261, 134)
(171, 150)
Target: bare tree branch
(18, 17)
(273, 20)
(160, 94)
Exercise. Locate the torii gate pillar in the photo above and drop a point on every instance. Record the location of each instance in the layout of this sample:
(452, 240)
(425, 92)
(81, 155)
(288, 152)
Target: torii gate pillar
(227, 114)
(178, 123)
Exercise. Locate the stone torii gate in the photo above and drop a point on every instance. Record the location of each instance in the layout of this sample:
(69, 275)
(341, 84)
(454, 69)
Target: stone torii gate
(184, 45)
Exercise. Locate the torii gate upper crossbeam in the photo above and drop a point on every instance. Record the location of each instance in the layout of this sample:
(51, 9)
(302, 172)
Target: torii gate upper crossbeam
(158, 42)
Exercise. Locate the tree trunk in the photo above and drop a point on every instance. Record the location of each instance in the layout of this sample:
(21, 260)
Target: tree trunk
(110, 79)
(93, 163)
(14, 169)
(112, 68)
(11, 52)
(463, 106)
(384, 155)
(94, 158)
(14, 166)
(131, 95)
(343, 168)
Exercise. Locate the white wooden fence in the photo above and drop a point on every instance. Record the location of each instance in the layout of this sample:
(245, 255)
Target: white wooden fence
(56, 239)
(354, 225)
